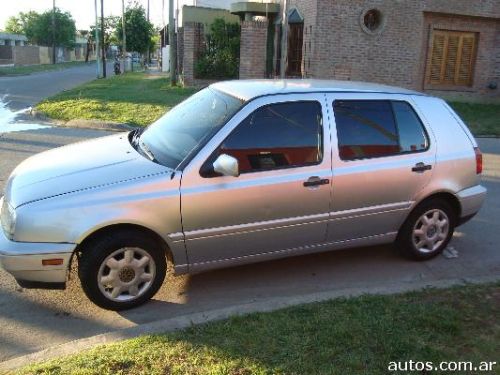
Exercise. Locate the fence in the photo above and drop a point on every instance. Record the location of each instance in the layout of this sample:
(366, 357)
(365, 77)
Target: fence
(34, 55)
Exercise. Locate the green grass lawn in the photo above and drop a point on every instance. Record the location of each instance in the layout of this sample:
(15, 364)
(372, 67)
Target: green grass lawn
(359, 335)
(28, 69)
(133, 98)
(140, 99)
(482, 119)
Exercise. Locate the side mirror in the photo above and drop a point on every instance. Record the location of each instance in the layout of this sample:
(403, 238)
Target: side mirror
(227, 165)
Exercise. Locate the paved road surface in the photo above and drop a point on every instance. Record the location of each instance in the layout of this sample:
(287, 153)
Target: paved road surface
(26, 91)
(35, 319)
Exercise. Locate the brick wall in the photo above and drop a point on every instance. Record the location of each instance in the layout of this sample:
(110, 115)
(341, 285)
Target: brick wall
(488, 45)
(5, 52)
(253, 49)
(336, 46)
(180, 49)
(497, 55)
(193, 44)
(26, 55)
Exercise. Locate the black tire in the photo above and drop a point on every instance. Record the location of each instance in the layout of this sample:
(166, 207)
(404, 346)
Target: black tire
(406, 238)
(97, 250)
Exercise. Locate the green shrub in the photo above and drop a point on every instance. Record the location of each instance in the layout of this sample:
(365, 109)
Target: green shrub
(220, 59)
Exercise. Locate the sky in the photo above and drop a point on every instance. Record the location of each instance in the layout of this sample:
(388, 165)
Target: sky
(83, 11)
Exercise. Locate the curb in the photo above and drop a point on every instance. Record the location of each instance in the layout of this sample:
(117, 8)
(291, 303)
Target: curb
(184, 321)
(83, 124)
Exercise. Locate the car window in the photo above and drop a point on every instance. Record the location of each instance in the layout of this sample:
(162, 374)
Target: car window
(375, 128)
(187, 126)
(365, 129)
(412, 136)
(277, 136)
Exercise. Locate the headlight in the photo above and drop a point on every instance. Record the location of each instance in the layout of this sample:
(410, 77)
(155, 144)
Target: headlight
(7, 218)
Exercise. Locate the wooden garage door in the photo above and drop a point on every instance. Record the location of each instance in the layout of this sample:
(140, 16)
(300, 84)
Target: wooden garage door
(452, 58)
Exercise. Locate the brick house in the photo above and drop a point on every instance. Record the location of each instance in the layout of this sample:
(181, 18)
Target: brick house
(440, 46)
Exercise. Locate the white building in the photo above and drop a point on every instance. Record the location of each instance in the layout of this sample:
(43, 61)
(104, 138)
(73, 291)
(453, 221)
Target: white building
(7, 39)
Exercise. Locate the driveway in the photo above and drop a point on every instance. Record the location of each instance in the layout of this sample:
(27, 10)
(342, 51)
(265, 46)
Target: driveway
(26, 91)
(35, 319)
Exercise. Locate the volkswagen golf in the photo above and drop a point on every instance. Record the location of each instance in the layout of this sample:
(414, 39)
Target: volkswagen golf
(240, 172)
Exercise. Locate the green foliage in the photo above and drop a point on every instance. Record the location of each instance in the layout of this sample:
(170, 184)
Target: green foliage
(220, 59)
(38, 27)
(21, 23)
(110, 25)
(138, 29)
(14, 26)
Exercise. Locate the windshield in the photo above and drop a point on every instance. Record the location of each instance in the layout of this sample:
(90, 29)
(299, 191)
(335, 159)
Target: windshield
(187, 126)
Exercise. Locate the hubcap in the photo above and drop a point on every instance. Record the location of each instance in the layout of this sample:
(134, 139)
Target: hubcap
(431, 230)
(126, 274)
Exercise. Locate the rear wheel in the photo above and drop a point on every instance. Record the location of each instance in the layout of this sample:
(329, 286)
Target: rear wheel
(428, 230)
(121, 270)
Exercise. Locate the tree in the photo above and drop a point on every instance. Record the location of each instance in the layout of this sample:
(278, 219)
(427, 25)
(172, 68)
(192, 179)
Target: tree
(110, 24)
(39, 29)
(138, 30)
(21, 23)
(221, 56)
(14, 26)
(90, 41)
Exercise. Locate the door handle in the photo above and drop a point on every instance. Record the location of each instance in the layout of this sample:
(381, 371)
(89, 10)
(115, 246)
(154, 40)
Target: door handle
(421, 167)
(316, 181)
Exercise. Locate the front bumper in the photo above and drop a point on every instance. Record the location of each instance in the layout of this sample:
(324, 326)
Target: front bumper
(471, 200)
(23, 260)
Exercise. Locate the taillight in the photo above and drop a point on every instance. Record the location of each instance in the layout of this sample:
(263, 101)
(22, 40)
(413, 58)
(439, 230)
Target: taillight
(479, 160)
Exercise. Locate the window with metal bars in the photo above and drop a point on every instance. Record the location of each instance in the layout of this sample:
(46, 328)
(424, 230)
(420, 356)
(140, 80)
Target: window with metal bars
(452, 56)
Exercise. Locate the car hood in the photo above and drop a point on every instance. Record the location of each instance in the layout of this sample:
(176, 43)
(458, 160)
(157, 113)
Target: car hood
(79, 166)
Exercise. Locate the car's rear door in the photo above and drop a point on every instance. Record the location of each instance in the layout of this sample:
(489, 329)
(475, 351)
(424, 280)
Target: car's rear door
(280, 203)
(383, 156)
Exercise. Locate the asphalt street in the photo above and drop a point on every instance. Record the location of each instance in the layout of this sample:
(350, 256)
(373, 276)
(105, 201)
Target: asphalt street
(25, 91)
(35, 319)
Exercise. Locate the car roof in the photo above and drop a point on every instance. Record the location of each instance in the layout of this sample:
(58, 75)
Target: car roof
(250, 89)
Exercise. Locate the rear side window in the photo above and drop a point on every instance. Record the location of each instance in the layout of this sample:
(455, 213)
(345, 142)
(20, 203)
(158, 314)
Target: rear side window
(412, 136)
(375, 128)
(277, 136)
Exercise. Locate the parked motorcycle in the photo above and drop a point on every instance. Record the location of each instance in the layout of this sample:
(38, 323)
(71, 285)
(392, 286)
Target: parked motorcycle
(116, 67)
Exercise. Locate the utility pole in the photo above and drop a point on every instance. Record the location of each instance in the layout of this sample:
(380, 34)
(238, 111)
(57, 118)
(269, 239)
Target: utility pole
(284, 40)
(171, 37)
(147, 52)
(103, 47)
(53, 31)
(124, 37)
(97, 42)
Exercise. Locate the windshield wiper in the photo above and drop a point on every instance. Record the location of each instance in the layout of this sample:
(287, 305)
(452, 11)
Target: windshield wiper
(136, 134)
(135, 141)
(144, 148)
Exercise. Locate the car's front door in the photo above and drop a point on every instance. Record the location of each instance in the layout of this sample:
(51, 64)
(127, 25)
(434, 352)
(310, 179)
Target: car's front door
(280, 202)
(384, 155)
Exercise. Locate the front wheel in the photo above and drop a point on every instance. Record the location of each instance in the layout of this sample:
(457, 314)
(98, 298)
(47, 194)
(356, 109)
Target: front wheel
(428, 230)
(121, 270)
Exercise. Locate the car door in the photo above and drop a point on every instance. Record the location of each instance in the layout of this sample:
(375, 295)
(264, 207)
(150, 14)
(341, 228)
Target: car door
(383, 156)
(280, 202)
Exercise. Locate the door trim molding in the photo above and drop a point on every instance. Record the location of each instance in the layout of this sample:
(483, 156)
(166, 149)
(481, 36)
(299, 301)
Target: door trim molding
(255, 227)
(302, 250)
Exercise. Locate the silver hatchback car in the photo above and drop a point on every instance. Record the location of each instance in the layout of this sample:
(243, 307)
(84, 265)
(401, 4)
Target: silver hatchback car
(242, 171)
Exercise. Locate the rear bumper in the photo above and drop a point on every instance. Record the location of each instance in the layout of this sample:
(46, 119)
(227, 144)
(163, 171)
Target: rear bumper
(471, 200)
(23, 260)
